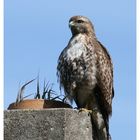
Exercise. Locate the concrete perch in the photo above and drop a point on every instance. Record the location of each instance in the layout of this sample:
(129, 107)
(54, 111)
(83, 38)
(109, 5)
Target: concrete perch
(47, 124)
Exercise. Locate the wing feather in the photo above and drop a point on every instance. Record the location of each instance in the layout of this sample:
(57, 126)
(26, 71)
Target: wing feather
(104, 76)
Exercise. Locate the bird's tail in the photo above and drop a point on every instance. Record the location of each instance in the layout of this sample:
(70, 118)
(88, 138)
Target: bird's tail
(99, 126)
(99, 119)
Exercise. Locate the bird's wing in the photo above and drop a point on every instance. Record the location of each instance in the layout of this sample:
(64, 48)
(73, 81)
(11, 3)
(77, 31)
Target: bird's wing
(104, 77)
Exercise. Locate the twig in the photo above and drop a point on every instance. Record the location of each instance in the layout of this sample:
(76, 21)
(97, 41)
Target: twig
(21, 91)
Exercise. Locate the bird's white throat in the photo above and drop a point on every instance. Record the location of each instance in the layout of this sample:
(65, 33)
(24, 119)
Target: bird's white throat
(77, 48)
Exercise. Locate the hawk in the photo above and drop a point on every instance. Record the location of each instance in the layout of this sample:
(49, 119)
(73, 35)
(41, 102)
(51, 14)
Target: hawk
(85, 72)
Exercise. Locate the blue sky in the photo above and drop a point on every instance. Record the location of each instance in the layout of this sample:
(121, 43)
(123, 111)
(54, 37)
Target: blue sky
(37, 31)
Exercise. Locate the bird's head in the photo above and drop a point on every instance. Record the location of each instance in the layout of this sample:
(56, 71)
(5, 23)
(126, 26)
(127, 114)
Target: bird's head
(80, 24)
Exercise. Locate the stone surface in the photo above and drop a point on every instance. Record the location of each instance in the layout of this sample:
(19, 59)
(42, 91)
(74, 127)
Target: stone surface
(50, 124)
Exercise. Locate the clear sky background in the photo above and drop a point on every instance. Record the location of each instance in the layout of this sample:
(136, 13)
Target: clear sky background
(37, 31)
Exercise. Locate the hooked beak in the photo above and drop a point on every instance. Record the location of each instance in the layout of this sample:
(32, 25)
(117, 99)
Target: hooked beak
(71, 23)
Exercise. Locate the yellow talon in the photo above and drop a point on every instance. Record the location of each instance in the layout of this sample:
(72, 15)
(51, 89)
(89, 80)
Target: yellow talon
(85, 110)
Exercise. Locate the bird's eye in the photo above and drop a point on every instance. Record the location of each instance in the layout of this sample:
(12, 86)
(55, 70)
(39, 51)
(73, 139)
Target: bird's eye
(80, 21)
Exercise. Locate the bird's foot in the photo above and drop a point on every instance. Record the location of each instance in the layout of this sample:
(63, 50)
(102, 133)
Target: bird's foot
(85, 110)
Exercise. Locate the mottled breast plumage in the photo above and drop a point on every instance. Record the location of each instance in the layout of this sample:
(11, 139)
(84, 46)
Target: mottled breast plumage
(76, 64)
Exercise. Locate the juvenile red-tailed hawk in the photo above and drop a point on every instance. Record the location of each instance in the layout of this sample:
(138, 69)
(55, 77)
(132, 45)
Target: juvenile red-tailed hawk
(85, 72)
